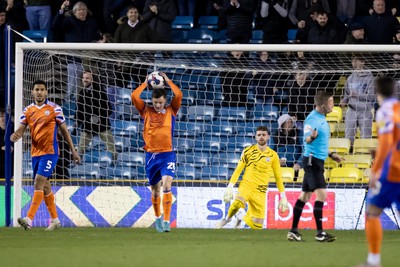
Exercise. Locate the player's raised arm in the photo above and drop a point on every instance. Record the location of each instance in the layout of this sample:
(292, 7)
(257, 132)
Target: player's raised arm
(135, 96)
(18, 133)
(67, 137)
(177, 99)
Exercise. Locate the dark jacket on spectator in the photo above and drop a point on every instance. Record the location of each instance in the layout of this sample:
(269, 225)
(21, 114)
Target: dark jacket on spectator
(75, 30)
(379, 29)
(240, 21)
(323, 35)
(161, 23)
(141, 33)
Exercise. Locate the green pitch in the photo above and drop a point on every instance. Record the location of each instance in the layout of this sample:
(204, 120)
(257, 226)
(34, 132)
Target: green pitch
(184, 247)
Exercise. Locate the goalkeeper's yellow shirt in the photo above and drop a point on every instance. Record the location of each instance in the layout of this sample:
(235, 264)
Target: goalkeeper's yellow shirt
(258, 167)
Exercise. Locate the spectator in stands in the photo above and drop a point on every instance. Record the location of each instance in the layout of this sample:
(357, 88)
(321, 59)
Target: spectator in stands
(38, 14)
(92, 114)
(301, 96)
(187, 7)
(345, 10)
(239, 15)
(359, 98)
(288, 142)
(322, 31)
(78, 27)
(380, 26)
(273, 19)
(355, 34)
(218, 5)
(235, 83)
(301, 10)
(2, 57)
(160, 14)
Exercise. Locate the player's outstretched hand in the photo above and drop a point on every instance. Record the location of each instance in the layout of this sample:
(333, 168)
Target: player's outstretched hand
(15, 137)
(228, 195)
(283, 204)
(165, 76)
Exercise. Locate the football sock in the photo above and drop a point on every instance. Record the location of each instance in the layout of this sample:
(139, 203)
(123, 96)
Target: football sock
(236, 205)
(51, 205)
(156, 205)
(36, 201)
(373, 230)
(167, 203)
(253, 225)
(318, 208)
(297, 210)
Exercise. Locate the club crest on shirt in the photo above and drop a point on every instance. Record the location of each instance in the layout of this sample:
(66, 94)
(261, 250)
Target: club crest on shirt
(47, 113)
(267, 159)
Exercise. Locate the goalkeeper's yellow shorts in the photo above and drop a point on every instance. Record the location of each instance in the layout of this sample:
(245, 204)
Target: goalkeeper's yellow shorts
(255, 201)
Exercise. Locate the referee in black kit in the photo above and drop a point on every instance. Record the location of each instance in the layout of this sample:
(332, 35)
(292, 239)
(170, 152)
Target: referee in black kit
(316, 150)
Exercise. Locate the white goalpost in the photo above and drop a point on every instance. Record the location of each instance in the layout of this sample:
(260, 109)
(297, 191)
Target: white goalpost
(228, 90)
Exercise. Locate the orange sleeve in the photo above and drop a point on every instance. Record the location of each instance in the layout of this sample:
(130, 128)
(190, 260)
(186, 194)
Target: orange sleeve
(136, 100)
(177, 99)
(385, 142)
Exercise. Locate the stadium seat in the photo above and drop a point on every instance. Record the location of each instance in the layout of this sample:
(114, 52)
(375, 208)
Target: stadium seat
(118, 172)
(330, 163)
(201, 113)
(124, 128)
(220, 129)
(238, 143)
(211, 143)
(346, 175)
(127, 112)
(122, 143)
(188, 97)
(188, 129)
(339, 129)
(257, 37)
(38, 36)
(183, 22)
(233, 114)
(365, 145)
(357, 161)
(183, 144)
(339, 145)
(214, 173)
(123, 95)
(265, 112)
(186, 172)
(194, 82)
(179, 36)
(85, 171)
(201, 36)
(100, 158)
(366, 175)
(131, 158)
(226, 159)
(195, 159)
(221, 37)
(374, 131)
(335, 116)
(208, 22)
(287, 175)
(69, 109)
(292, 35)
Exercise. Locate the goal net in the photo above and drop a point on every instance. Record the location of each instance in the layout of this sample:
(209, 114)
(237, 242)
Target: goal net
(228, 90)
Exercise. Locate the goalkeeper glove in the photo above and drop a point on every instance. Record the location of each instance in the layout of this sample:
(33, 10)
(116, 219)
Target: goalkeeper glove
(283, 204)
(228, 195)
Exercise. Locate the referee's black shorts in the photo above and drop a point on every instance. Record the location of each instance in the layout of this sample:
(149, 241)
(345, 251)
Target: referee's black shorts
(313, 175)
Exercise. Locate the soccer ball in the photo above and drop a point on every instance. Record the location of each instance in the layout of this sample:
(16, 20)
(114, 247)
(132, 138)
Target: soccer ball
(155, 80)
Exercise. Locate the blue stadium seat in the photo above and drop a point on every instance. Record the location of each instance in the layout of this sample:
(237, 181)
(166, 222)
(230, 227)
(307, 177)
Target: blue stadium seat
(202, 36)
(208, 22)
(100, 158)
(257, 37)
(220, 129)
(127, 112)
(226, 159)
(85, 171)
(183, 22)
(292, 35)
(249, 128)
(233, 114)
(188, 97)
(179, 36)
(266, 112)
(188, 129)
(69, 109)
(221, 37)
(209, 98)
(238, 143)
(96, 144)
(193, 82)
(195, 159)
(214, 173)
(123, 95)
(39, 36)
(183, 144)
(118, 173)
(201, 113)
(124, 128)
(122, 143)
(211, 143)
(186, 172)
(131, 159)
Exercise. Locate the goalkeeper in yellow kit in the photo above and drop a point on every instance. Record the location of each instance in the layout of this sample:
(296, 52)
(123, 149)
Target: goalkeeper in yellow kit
(258, 162)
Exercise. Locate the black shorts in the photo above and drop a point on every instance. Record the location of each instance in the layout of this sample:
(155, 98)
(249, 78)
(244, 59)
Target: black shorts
(313, 175)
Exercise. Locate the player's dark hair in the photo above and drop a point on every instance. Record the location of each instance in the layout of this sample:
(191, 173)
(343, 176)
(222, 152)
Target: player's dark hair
(39, 82)
(157, 93)
(321, 97)
(384, 86)
(262, 128)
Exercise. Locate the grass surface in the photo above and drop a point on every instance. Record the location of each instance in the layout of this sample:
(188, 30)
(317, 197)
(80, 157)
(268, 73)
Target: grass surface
(184, 247)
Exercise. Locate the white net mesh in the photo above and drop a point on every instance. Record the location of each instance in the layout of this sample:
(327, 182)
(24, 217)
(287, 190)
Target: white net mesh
(226, 96)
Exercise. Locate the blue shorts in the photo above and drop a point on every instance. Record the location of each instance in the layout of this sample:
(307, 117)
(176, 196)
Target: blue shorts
(160, 164)
(389, 192)
(44, 165)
